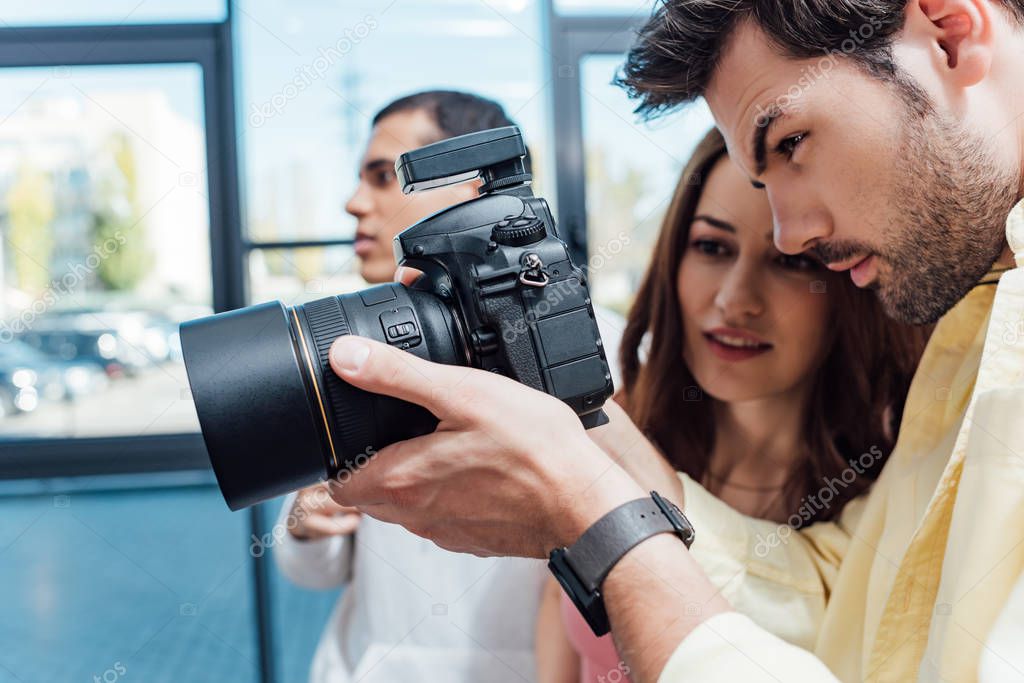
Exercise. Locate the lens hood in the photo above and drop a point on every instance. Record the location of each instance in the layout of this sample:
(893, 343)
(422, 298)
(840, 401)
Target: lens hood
(248, 385)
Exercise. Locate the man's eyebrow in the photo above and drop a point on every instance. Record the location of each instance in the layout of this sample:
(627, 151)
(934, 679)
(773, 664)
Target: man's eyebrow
(720, 224)
(762, 127)
(374, 164)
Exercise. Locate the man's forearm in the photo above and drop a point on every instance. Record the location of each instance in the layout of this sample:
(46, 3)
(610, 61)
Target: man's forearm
(652, 471)
(655, 596)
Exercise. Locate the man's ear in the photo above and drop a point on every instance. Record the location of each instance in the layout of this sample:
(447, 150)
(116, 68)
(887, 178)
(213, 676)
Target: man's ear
(959, 34)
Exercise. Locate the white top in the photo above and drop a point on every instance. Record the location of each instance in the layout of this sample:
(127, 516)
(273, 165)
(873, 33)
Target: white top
(412, 611)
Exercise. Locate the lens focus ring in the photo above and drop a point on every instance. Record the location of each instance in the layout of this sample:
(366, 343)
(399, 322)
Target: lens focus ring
(349, 409)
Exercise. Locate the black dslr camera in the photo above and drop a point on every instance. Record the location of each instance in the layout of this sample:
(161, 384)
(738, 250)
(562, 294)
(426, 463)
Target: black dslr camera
(499, 292)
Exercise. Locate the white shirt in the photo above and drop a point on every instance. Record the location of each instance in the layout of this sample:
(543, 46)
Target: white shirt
(412, 611)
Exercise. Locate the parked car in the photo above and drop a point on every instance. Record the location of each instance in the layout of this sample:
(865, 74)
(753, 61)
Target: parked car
(29, 377)
(85, 337)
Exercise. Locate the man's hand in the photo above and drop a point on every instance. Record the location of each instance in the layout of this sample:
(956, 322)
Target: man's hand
(509, 471)
(317, 516)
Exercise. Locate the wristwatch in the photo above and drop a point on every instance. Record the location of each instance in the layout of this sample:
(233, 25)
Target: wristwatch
(582, 567)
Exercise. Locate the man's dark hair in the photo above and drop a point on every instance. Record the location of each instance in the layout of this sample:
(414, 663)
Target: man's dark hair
(454, 113)
(678, 49)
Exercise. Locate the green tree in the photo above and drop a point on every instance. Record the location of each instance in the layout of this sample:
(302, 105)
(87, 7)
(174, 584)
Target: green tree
(117, 230)
(30, 215)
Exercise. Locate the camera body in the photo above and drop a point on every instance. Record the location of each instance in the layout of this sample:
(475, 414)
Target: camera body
(523, 307)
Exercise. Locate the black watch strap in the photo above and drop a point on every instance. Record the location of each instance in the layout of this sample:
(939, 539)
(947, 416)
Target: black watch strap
(601, 546)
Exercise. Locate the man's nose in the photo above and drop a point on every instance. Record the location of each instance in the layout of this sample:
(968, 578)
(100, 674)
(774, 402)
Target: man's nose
(360, 203)
(798, 227)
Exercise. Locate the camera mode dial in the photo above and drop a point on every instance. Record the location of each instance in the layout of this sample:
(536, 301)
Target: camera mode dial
(518, 231)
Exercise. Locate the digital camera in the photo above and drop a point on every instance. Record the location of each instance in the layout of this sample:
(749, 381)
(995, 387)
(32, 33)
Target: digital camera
(498, 292)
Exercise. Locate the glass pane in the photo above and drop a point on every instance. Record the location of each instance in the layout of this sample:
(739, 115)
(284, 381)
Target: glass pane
(117, 12)
(313, 75)
(296, 276)
(639, 8)
(125, 586)
(631, 171)
(105, 226)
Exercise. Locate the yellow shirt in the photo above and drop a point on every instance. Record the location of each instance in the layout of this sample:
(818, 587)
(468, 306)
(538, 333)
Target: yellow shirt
(907, 584)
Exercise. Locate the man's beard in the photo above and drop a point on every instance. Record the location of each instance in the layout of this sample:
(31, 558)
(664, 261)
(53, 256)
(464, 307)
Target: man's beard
(952, 198)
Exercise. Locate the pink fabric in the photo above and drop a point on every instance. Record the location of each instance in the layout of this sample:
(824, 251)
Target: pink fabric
(599, 662)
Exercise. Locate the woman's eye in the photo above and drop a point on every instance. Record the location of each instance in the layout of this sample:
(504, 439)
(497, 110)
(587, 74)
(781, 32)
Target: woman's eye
(787, 146)
(798, 262)
(709, 247)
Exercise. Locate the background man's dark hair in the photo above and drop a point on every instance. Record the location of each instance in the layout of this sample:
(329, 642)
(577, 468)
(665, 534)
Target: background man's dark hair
(678, 50)
(455, 113)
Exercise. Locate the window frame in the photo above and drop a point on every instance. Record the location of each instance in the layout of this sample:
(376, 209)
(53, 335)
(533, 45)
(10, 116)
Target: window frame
(159, 459)
(209, 45)
(569, 39)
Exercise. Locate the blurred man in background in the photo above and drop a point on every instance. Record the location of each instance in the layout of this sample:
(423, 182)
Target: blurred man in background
(411, 611)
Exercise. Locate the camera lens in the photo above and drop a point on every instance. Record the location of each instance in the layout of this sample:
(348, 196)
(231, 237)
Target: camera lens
(274, 415)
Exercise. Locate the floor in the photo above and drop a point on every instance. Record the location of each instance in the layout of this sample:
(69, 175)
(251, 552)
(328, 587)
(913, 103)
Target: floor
(146, 585)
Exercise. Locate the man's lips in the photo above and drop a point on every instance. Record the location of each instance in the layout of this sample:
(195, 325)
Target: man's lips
(364, 244)
(840, 266)
(862, 268)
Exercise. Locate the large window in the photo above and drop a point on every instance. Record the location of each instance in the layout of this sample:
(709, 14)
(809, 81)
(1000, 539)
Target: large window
(104, 221)
(631, 169)
(616, 173)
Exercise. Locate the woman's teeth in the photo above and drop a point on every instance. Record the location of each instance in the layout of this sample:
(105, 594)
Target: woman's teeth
(738, 342)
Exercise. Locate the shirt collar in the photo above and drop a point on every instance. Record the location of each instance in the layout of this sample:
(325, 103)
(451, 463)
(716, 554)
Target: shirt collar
(1015, 232)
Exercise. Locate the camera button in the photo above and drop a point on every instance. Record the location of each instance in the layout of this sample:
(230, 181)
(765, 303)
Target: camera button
(400, 328)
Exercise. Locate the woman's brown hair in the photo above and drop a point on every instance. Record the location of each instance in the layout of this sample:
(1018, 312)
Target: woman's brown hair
(855, 405)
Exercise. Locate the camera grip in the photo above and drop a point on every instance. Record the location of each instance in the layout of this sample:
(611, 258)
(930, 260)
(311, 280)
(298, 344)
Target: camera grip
(519, 358)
